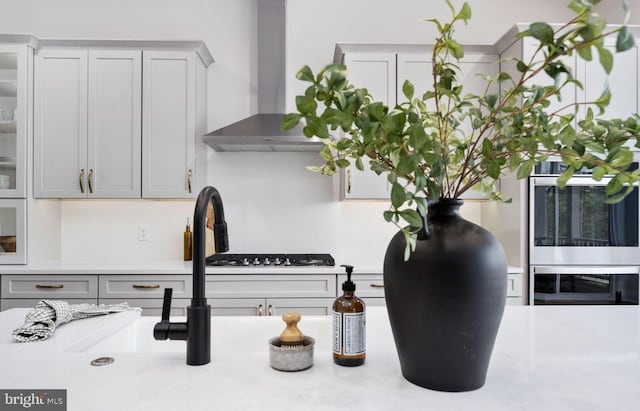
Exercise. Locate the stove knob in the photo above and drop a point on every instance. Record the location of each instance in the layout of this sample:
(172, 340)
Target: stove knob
(245, 261)
(256, 261)
(287, 261)
(267, 261)
(277, 261)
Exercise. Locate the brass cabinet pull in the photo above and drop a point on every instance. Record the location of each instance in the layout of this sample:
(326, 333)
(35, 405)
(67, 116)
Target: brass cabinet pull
(81, 178)
(49, 286)
(89, 180)
(376, 285)
(348, 181)
(270, 310)
(146, 286)
(189, 174)
(260, 310)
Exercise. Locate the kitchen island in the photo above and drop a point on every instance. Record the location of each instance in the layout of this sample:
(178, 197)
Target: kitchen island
(546, 358)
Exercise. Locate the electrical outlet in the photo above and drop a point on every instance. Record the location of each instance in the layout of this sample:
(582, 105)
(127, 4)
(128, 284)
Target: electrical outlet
(143, 232)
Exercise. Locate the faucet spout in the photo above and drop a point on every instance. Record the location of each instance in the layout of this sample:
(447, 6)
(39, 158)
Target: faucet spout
(221, 239)
(197, 330)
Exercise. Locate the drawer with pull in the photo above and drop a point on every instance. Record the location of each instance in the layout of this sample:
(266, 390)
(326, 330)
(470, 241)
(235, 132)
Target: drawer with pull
(50, 286)
(367, 285)
(144, 286)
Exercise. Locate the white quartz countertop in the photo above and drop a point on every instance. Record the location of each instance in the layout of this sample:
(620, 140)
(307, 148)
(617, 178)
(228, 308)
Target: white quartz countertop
(545, 358)
(115, 266)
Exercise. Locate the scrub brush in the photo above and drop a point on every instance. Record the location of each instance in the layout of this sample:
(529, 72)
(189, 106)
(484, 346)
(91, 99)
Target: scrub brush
(291, 337)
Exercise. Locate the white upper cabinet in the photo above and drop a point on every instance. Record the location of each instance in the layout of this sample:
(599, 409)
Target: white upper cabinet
(60, 124)
(622, 82)
(377, 73)
(119, 119)
(15, 101)
(169, 125)
(114, 140)
(383, 70)
(87, 124)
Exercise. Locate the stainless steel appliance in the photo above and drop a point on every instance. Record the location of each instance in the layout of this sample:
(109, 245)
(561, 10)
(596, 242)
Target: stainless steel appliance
(554, 285)
(270, 260)
(573, 225)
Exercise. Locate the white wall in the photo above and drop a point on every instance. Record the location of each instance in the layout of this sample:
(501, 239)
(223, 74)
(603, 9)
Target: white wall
(272, 203)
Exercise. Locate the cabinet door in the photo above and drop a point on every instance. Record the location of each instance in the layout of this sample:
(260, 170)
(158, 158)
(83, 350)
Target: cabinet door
(622, 82)
(60, 124)
(377, 73)
(114, 137)
(168, 117)
(15, 75)
(417, 69)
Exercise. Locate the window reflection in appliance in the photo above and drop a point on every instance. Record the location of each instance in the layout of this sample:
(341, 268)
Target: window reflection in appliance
(577, 216)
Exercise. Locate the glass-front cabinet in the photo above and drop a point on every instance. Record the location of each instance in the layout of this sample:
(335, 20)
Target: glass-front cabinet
(13, 231)
(14, 64)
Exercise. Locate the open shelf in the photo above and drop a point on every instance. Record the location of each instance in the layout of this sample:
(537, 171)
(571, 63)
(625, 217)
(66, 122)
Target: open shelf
(8, 88)
(7, 126)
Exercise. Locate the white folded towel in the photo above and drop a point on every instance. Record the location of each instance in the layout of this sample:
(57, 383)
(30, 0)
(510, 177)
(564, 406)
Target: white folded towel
(41, 322)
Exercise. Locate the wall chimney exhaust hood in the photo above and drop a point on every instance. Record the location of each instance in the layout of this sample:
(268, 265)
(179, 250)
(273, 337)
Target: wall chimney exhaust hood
(261, 132)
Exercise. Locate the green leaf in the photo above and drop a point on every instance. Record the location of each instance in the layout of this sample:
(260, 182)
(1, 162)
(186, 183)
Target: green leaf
(306, 105)
(565, 176)
(606, 59)
(598, 173)
(410, 240)
(407, 90)
(388, 215)
(305, 74)
(624, 40)
(604, 99)
(585, 52)
(397, 195)
(359, 164)
(619, 197)
(521, 66)
(524, 170)
(503, 77)
(406, 166)
(493, 169)
(412, 217)
(465, 12)
(491, 99)
(316, 127)
(376, 111)
(290, 120)
(542, 31)
(487, 147)
(343, 163)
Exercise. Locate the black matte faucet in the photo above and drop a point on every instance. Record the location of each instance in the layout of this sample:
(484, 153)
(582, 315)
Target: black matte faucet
(197, 330)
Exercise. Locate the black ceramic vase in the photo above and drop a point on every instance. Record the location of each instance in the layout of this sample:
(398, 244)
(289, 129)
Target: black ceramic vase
(445, 304)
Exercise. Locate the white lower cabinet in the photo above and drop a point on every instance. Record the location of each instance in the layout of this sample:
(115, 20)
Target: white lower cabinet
(7, 303)
(55, 287)
(152, 306)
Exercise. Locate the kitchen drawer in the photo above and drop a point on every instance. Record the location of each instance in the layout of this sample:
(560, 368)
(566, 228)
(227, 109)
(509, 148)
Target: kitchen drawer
(303, 306)
(237, 306)
(265, 286)
(6, 304)
(152, 306)
(514, 285)
(144, 286)
(50, 286)
(367, 285)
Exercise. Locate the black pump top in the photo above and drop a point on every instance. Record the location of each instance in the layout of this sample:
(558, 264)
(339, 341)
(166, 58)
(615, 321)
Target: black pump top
(348, 285)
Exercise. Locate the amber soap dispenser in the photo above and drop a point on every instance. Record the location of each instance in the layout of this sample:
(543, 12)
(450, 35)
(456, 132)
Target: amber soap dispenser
(349, 325)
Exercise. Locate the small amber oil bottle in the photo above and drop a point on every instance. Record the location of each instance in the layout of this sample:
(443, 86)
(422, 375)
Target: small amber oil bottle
(187, 242)
(349, 325)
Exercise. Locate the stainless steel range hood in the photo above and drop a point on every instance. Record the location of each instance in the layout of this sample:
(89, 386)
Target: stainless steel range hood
(261, 132)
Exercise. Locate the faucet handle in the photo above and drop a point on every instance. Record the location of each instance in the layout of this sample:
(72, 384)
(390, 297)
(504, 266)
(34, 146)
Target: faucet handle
(166, 304)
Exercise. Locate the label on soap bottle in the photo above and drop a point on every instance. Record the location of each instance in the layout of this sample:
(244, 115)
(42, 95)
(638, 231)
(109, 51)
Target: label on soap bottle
(349, 333)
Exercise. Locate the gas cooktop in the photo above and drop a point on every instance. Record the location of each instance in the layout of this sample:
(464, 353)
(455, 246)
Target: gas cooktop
(270, 260)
